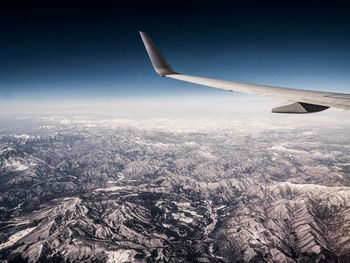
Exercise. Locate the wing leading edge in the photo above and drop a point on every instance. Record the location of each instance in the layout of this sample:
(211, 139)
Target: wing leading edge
(299, 101)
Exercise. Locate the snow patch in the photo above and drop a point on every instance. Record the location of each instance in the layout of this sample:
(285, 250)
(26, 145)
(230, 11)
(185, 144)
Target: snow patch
(120, 255)
(22, 136)
(182, 217)
(15, 237)
(15, 165)
(110, 189)
(281, 148)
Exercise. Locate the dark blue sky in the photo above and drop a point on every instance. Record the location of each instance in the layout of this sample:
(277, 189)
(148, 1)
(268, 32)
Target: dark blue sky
(92, 50)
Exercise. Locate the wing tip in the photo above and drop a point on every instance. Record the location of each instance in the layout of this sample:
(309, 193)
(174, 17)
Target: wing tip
(160, 65)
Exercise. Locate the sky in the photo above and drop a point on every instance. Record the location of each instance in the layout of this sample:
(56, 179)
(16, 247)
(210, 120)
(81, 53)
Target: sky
(70, 52)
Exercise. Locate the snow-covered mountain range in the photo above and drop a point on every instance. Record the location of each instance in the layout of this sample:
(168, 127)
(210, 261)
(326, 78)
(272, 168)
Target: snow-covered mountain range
(74, 189)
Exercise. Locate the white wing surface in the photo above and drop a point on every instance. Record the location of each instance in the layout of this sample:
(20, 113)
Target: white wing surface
(299, 101)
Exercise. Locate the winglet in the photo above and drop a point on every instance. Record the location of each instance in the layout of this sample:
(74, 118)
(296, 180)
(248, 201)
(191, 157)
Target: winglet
(160, 65)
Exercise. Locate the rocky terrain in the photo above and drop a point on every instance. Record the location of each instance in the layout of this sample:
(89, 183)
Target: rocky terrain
(75, 189)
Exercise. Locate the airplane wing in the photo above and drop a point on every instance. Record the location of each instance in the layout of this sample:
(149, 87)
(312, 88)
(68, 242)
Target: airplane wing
(299, 101)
